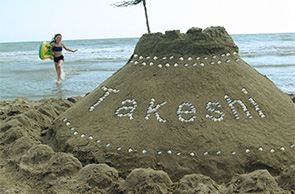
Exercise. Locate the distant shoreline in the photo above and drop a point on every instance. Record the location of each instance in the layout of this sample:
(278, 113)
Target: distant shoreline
(292, 96)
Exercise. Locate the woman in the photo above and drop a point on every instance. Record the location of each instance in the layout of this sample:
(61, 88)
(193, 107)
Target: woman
(57, 54)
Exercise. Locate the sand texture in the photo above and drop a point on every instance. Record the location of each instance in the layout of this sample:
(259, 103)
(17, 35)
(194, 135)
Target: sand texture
(185, 115)
(217, 119)
(28, 166)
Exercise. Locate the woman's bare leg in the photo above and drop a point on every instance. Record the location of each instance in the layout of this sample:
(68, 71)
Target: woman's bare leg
(58, 70)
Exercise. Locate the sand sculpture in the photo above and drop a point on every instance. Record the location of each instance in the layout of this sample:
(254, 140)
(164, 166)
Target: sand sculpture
(183, 103)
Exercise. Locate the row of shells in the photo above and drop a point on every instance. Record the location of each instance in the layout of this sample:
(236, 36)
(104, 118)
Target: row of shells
(192, 154)
(136, 56)
(190, 61)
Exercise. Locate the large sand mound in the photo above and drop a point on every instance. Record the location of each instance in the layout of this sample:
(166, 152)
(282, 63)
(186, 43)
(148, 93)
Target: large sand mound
(184, 103)
(28, 166)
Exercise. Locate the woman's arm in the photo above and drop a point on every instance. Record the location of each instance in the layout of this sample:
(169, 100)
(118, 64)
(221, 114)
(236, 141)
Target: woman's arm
(67, 49)
(51, 50)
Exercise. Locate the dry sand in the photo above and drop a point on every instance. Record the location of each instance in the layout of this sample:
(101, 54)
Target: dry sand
(92, 144)
(29, 166)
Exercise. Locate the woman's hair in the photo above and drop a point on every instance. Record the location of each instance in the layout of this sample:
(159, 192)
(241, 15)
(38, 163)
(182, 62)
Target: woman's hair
(53, 39)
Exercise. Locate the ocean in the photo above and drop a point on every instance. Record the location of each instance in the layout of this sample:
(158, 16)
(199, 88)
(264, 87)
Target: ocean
(23, 74)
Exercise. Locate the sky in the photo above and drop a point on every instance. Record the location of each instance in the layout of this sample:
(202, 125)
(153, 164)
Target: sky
(39, 20)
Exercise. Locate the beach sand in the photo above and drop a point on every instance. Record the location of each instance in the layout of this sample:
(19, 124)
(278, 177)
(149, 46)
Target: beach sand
(28, 165)
(185, 115)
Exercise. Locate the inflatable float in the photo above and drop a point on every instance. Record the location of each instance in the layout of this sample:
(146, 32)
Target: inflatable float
(45, 51)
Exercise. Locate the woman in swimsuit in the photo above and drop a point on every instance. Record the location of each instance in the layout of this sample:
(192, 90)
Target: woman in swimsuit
(57, 54)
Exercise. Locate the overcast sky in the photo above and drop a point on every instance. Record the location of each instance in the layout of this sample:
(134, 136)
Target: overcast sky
(39, 20)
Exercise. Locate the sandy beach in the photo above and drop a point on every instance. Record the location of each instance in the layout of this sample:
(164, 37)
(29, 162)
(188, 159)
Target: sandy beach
(198, 119)
(29, 166)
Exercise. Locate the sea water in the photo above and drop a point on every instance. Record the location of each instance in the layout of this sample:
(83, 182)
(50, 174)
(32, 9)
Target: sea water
(23, 74)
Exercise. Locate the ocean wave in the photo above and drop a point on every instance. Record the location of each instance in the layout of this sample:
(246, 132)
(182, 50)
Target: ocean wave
(274, 65)
(106, 50)
(82, 51)
(96, 58)
(18, 53)
(255, 54)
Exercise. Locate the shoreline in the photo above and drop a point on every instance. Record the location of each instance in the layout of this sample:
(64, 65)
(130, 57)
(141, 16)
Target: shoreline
(291, 95)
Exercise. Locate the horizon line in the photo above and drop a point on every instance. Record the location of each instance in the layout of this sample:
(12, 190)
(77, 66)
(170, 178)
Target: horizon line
(105, 38)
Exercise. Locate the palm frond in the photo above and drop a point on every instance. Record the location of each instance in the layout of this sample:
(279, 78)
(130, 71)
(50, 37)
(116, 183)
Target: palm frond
(127, 3)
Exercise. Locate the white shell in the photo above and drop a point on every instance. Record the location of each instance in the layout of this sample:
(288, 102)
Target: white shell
(282, 148)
